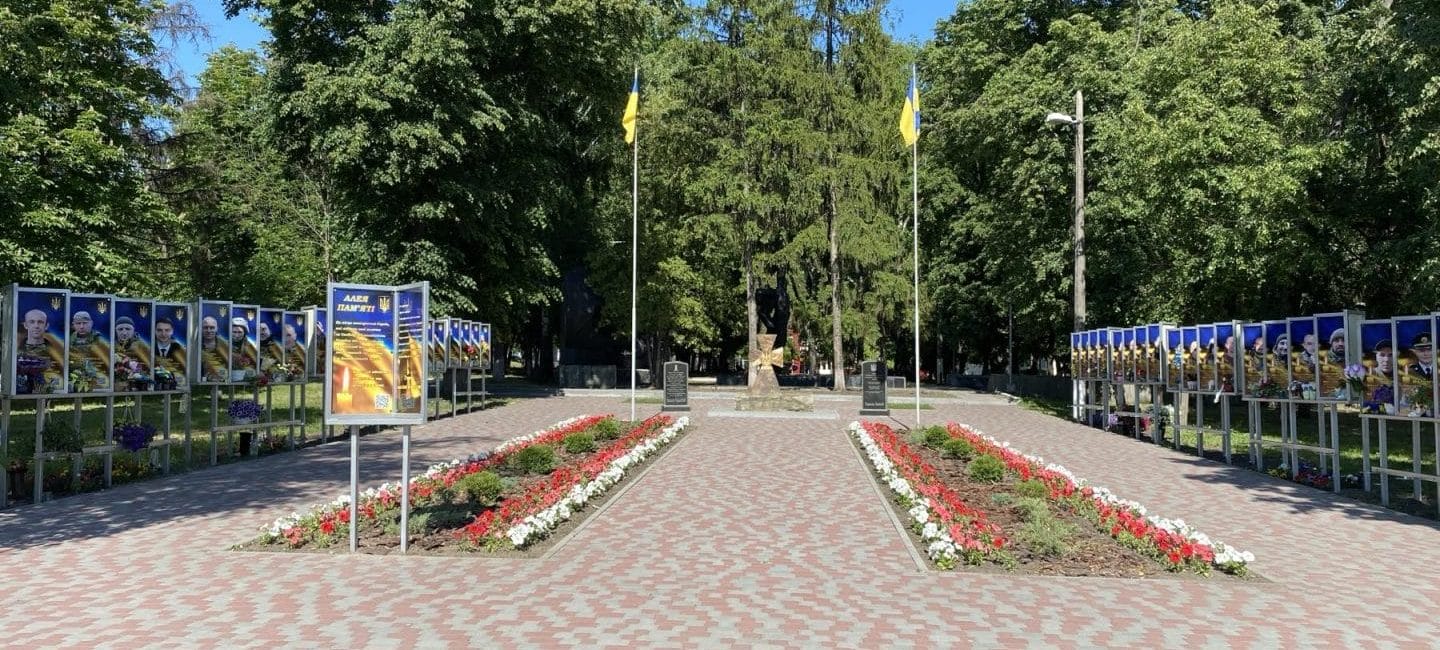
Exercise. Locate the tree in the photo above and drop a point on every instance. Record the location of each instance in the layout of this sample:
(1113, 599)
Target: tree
(76, 106)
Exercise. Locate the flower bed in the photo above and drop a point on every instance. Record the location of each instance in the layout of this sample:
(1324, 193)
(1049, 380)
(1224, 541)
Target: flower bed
(920, 489)
(447, 515)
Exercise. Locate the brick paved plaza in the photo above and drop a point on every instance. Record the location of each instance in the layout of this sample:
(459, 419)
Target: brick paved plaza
(764, 532)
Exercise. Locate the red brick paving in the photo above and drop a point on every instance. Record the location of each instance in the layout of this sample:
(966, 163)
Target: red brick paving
(749, 532)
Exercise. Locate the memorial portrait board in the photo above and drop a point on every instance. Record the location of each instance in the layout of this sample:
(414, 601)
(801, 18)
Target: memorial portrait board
(244, 348)
(1075, 355)
(1174, 358)
(411, 330)
(134, 341)
(1226, 353)
(1154, 354)
(1331, 356)
(317, 340)
(485, 356)
(37, 360)
(1415, 364)
(270, 354)
(1377, 357)
(91, 369)
(455, 337)
(1124, 354)
(438, 348)
(1252, 366)
(1206, 374)
(212, 342)
(1142, 355)
(170, 349)
(1277, 360)
(1304, 357)
(1189, 342)
(294, 347)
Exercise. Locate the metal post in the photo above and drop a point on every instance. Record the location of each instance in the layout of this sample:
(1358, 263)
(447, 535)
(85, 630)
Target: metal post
(454, 394)
(1335, 446)
(1199, 426)
(5, 452)
(189, 405)
(1079, 233)
(1257, 436)
(1384, 464)
(1294, 440)
(109, 438)
(1415, 459)
(1365, 452)
(39, 449)
(290, 433)
(1225, 428)
(404, 489)
(214, 424)
(165, 421)
(354, 488)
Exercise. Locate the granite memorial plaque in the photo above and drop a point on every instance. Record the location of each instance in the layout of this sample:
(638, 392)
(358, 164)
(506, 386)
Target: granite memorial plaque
(873, 400)
(677, 386)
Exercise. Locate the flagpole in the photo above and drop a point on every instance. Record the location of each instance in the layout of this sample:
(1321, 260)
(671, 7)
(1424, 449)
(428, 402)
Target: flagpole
(915, 247)
(634, 254)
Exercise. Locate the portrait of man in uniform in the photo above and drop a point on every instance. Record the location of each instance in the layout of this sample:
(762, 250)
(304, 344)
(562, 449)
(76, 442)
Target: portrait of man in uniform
(1332, 364)
(270, 349)
(1423, 364)
(214, 352)
(290, 349)
(40, 356)
(128, 345)
(1279, 361)
(244, 358)
(89, 352)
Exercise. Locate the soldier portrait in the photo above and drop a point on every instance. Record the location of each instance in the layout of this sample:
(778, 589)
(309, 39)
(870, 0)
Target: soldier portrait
(268, 333)
(244, 354)
(437, 350)
(1225, 357)
(484, 345)
(1277, 363)
(1190, 359)
(1252, 368)
(1331, 355)
(457, 351)
(1414, 342)
(316, 340)
(39, 342)
(1206, 375)
(213, 347)
(133, 335)
(1303, 361)
(88, 343)
(1377, 356)
(293, 343)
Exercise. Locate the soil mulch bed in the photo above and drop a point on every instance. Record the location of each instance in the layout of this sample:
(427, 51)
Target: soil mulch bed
(1091, 552)
(441, 521)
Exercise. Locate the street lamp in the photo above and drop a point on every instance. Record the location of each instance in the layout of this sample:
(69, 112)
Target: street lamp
(1078, 121)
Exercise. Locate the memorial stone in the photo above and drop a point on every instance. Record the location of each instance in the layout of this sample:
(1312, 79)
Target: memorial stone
(873, 400)
(677, 386)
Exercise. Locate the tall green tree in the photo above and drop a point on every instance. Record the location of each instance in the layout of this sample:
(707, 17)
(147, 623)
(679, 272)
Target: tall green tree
(78, 103)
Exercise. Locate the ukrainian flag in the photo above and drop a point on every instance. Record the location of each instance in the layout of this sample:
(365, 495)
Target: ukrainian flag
(632, 110)
(909, 114)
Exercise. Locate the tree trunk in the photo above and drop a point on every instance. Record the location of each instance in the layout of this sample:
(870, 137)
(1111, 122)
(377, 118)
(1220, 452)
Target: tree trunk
(838, 352)
(752, 317)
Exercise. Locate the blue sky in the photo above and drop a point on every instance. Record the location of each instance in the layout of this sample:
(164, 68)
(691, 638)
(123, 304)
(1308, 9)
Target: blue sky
(914, 19)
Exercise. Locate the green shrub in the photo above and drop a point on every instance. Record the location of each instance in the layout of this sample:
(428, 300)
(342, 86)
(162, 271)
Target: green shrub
(987, 469)
(957, 448)
(607, 429)
(1032, 488)
(535, 459)
(1047, 535)
(481, 488)
(1032, 509)
(1002, 498)
(579, 443)
(935, 436)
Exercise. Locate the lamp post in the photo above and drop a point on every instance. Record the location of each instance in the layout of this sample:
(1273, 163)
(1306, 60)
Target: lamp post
(1078, 121)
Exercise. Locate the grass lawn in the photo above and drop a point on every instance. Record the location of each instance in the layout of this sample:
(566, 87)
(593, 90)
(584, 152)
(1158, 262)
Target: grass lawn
(1400, 449)
(924, 406)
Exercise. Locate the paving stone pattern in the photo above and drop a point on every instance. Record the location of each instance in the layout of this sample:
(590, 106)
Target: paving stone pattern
(750, 532)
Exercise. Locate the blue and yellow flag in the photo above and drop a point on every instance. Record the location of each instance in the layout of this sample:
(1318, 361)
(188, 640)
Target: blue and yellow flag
(632, 110)
(910, 113)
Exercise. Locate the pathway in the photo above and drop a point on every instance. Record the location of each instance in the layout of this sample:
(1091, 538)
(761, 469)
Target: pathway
(749, 531)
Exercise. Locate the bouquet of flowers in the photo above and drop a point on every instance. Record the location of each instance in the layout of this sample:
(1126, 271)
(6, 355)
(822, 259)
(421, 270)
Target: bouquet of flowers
(164, 379)
(1269, 388)
(30, 373)
(1420, 398)
(281, 371)
(244, 410)
(84, 378)
(1355, 379)
(133, 372)
(134, 436)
